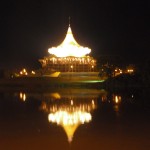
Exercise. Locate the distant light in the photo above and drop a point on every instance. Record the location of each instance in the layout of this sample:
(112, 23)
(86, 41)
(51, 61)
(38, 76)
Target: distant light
(92, 102)
(117, 99)
(130, 70)
(22, 96)
(71, 102)
(33, 72)
(24, 70)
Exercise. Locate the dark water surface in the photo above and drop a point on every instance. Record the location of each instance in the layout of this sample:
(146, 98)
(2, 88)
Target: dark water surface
(75, 119)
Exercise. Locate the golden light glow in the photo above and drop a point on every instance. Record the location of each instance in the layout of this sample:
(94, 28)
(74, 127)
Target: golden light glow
(22, 96)
(71, 102)
(118, 71)
(32, 72)
(69, 47)
(117, 101)
(55, 95)
(68, 108)
(70, 115)
(23, 72)
(130, 70)
(69, 118)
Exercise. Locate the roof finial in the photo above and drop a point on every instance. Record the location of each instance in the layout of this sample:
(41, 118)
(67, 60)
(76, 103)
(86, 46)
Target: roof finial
(69, 20)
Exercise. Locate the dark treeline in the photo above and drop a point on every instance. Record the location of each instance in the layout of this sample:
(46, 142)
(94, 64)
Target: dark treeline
(140, 78)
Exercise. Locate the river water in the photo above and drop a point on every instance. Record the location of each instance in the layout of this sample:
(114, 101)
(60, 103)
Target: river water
(75, 119)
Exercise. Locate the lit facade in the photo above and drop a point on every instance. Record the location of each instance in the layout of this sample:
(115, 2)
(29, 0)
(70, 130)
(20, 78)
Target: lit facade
(69, 56)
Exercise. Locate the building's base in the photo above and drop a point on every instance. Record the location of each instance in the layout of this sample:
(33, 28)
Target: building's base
(75, 76)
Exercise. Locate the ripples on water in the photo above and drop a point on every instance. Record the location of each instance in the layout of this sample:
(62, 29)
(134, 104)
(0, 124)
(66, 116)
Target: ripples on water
(75, 119)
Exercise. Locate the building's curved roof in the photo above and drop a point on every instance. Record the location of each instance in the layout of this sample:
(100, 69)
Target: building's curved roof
(69, 47)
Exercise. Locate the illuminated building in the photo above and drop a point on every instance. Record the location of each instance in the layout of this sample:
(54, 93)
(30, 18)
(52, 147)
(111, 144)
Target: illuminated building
(69, 56)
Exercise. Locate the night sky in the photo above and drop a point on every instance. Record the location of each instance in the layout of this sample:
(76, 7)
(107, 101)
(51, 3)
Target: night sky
(109, 27)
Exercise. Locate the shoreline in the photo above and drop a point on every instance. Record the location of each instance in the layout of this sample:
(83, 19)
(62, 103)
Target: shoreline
(46, 82)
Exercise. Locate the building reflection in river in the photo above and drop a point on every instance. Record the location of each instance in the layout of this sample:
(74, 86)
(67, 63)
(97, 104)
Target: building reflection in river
(69, 108)
(105, 120)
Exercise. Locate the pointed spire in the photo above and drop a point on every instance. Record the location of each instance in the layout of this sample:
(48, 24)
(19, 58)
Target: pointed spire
(69, 47)
(69, 20)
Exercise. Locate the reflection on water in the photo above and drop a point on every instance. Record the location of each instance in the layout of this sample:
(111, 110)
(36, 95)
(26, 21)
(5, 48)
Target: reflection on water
(117, 100)
(89, 118)
(22, 96)
(70, 115)
(68, 109)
